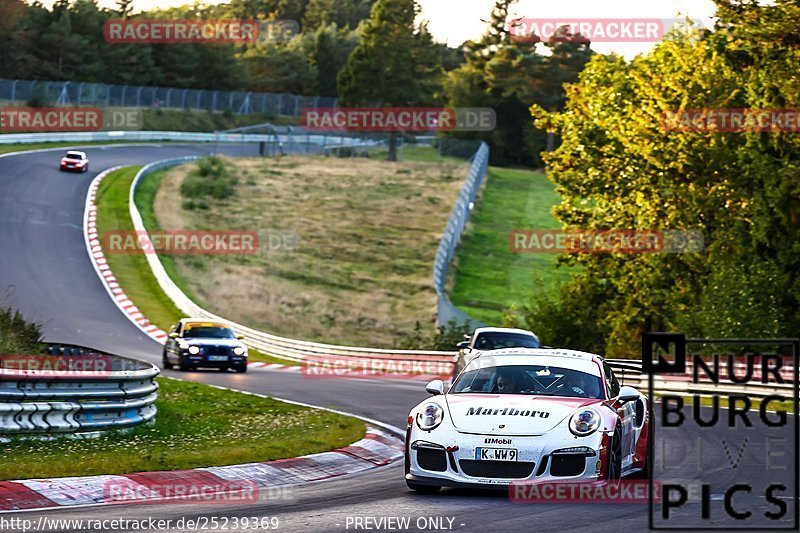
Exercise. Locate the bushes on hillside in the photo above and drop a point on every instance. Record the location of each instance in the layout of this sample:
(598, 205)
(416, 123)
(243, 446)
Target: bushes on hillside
(211, 179)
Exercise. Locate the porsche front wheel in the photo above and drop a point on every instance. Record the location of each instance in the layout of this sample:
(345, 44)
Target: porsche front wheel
(615, 456)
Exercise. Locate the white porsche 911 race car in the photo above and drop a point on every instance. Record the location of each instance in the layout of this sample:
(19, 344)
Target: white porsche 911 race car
(525, 416)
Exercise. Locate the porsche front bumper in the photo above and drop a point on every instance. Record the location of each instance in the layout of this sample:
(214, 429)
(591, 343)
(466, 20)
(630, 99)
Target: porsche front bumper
(454, 459)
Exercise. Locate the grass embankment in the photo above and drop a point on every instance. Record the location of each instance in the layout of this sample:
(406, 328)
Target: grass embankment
(131, 269)
(205, 121)
(364, 233)
(197, 426)
(487, 277)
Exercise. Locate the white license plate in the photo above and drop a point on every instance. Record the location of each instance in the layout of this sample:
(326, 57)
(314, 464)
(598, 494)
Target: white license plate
(217, 357)
(496, 454)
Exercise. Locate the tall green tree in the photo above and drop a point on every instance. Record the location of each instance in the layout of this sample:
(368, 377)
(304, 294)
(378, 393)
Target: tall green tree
(518, 72)
(395, 63)
(499, 73)
(343, 13)
(15, 40)
(619, 167)
(124, 7)
(65, 54)
(281, 68)
(328, 49)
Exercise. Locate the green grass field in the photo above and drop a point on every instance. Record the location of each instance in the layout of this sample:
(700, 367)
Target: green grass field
(132, 270)
(487, 277)
(197, 426)
(364, 236)
(144, 198)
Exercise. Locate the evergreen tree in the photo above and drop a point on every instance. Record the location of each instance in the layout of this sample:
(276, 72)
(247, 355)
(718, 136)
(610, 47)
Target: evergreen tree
(328, 49)
(395, 63)
(343, 13)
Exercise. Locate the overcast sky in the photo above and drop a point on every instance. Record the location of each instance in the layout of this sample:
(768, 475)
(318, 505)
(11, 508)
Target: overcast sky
(455, 21)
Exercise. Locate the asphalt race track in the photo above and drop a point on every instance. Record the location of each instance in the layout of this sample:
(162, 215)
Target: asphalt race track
(45, 272)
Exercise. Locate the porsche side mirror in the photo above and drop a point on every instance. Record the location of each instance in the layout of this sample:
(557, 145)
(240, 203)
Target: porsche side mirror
(174, 335)
(435, 387)
(240, 337)
(463, 345)
(627, 394)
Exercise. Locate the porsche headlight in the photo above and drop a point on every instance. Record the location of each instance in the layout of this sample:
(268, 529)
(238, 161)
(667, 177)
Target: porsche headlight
(194, 350)
(430, 416)
(584, 422)
(238, 351)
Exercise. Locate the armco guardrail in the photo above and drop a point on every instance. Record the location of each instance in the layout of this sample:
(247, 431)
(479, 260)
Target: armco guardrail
(180, 136)
(56, 393)
(446, 311)
(629, 372)
(292, 349)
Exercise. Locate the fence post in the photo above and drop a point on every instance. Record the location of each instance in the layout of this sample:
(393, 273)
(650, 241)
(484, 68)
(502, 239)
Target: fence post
(63, 95)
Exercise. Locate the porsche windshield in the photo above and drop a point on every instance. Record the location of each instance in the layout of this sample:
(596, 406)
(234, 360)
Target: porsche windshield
(208, 332)
(496, 340)
(540, 380)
